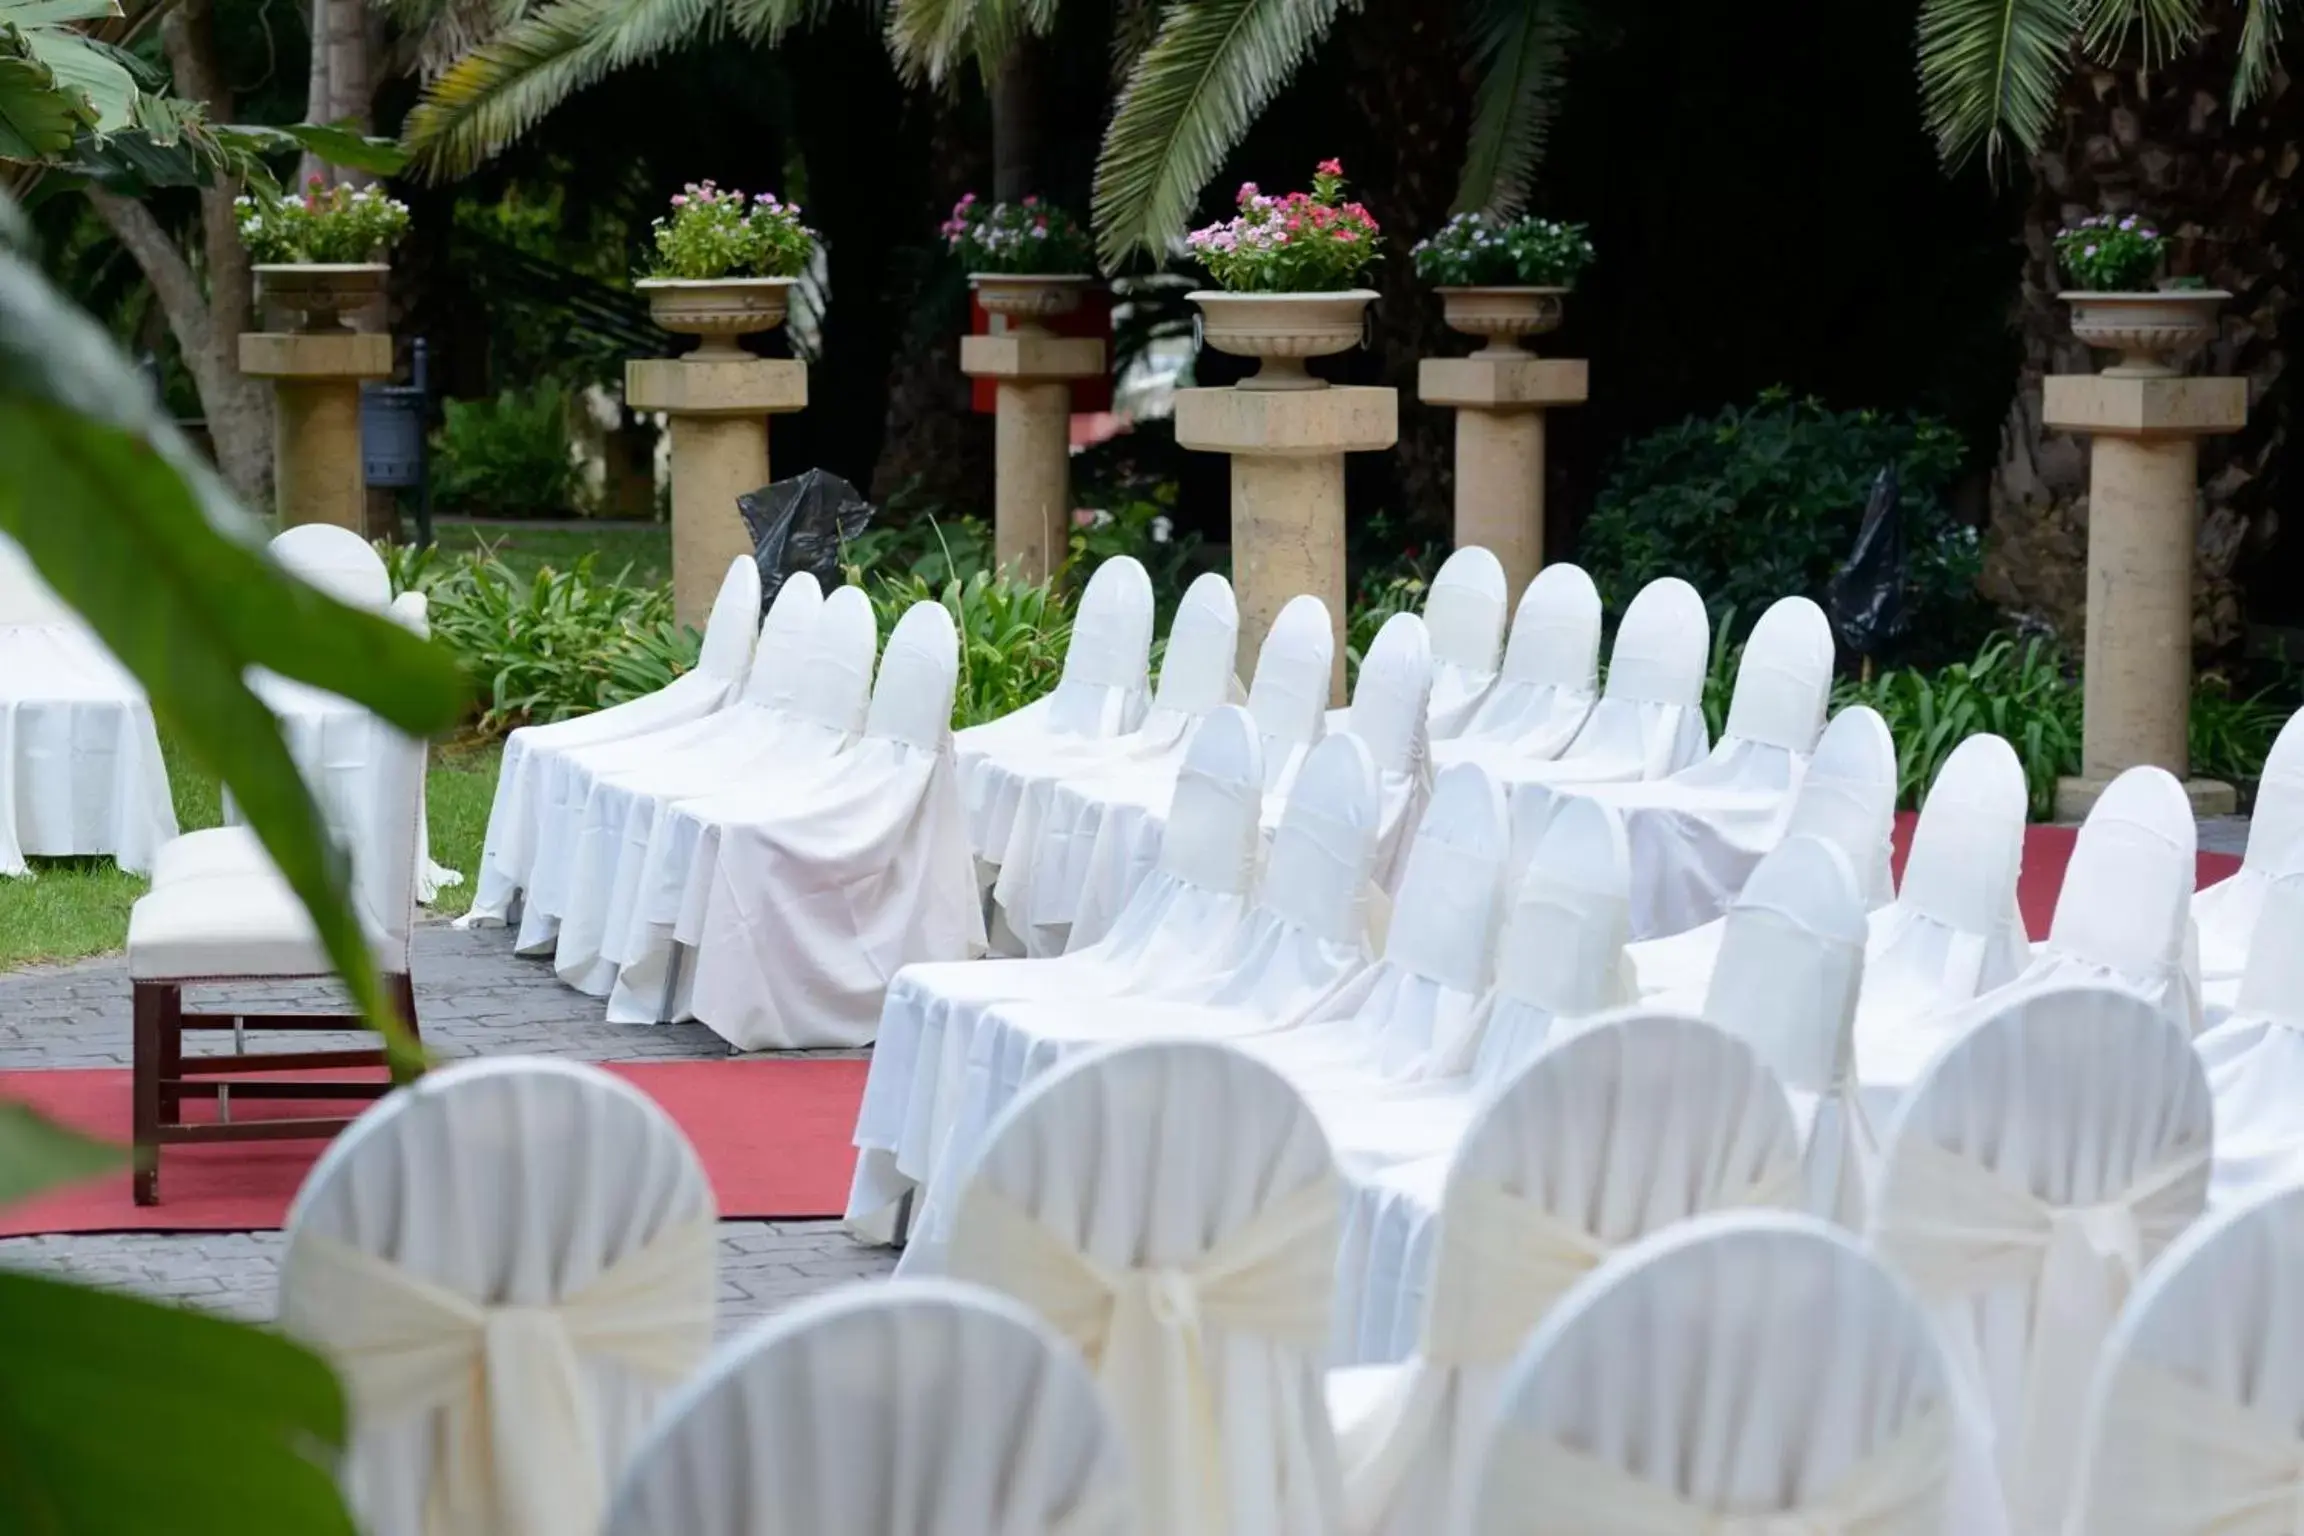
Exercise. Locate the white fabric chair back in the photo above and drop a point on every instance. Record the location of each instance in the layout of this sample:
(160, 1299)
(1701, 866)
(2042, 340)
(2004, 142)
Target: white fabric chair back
(1203, 638)
(385, 862)
(1848, 797)
(917, 1408)
(2197, 1412)
(1107, 663)
(1390, 696)
(2127, 898)
(1465, 610)
(779, 656)
(1791, 962)
(1445, 913)
(836, 682)
(510, 1262)
(1661, 647)
(2041, 1162)
(1738, 1375)
(912, 699)
(1212, 836)
(1173, 1209)
(24, 597)
(1562, 951)
(1316, 875)
(2276, 826)
(1784, 681)
(730, 629)
(1556, 632)
(1968, 845)
(1288, 696)
(2273, 985)
(337, 561)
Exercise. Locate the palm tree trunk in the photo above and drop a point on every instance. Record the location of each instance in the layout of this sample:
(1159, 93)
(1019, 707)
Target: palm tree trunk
(2165, 145)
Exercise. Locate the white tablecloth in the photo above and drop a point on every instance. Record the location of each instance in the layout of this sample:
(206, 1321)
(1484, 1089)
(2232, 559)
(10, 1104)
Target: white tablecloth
(80, 765)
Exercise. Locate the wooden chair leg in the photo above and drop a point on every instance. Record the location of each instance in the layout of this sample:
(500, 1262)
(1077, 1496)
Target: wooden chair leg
(153, 1001)
(171, 1055)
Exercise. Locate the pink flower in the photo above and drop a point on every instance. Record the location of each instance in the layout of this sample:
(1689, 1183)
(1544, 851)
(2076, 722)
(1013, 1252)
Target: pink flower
(1032, 202)
(1345, 237)
(1247, 191)
(679, 199)
(1083, 517)
(1330, 168)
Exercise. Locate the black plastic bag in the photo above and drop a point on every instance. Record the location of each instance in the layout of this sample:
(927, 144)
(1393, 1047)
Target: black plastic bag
(1867, 599)
(799, 525)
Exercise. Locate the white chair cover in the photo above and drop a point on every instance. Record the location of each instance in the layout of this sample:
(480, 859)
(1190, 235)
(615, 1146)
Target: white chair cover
(1551, 675)
(803, 915)
(2196, 1421)
(1738, 1375)
(522, 806)
(1306, 934)
(2255, 1058)
(1171, 1209)
(509, 1263)
(2225, 913)
(1633, 1123)
(1790, 965)
(1390, 702)
(80, 764)
(336, 560)
(2043, 1161)
(1465, 612)
(914, 1409)
(1102, 834)
(1180, 922)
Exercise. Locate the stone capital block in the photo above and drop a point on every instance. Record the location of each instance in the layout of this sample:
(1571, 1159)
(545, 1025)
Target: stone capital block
(2169, 407)
(736, 386)
(316, 354)
(1288, 423)
(1015, 356)
(1503, 383)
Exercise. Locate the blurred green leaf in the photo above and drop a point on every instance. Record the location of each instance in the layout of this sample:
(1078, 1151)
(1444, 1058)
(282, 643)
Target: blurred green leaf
(36, 1154)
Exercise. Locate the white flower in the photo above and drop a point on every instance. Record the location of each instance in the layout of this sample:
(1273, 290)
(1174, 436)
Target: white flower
(1163, 527)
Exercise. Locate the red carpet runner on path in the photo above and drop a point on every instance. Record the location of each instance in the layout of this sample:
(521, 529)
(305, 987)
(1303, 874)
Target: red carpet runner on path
(773, 1134)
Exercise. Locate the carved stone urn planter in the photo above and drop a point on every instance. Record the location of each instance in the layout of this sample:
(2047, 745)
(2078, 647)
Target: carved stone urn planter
(322, 292)
(1283, 329)
(718, 310)
(2154, 332)
(1502, 317)
(1024, 299)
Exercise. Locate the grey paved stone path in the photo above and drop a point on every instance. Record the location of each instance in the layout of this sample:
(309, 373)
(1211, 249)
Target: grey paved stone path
(474, 998)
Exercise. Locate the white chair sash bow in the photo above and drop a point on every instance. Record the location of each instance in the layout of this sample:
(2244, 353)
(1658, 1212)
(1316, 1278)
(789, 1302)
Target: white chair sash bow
(2213, 1465)
(519, 1447)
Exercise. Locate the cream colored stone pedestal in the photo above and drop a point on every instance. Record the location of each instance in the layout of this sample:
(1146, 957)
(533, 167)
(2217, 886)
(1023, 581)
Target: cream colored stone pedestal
(1287, 449)
(2143, 486)
(1032, 439)
(1500, 400)
(719, 406)
(316, 375)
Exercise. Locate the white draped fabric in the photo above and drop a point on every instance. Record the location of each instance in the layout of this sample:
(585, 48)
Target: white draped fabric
(2255, 1058)
(1631, 1124)
(1737, 1375)
(2043, 1161)
(2196, 1423)
(1465, 613)
(2225, 913)
(1171, 1209)
(508, 1263)
(80, 765)
(1180, 923)
(523, 804)
(804, 914)
(1551, 676)
(912, 1409)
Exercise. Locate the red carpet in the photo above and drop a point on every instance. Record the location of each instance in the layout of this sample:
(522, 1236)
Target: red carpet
(2046, 851)
(773, 1136)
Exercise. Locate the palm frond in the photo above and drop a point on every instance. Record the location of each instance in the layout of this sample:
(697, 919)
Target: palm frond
(1214, 66)
(1134, 24)
(505, 87)
(1521, 47)
(766, 21)
(2164, 26)
(927, 38)
(1989, 72)
(2259, 40)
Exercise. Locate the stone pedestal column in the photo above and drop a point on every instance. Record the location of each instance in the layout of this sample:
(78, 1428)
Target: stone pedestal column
(1287, 448)
(1500, 399)
(1032, 439)
(316, 377)
(2143, 490)
(719, 405)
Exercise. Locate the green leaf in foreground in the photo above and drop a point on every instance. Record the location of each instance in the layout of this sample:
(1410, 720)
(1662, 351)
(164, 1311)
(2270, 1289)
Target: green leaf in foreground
(36, 1154)
(121, 1417)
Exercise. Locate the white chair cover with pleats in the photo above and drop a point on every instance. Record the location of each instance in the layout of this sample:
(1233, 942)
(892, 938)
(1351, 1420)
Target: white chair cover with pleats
(510, 1263)
(1305, 935)
(1551, 676)
(2042, 1162)
(1465, 612)
(1790, 965)
(1074, 850)
(923, 1408)
(801, 916)
(1736, 1375)
(1103, 687)
(2255, 1058)
(1954, 931)
(1632, 1123)
(523, 803)
(2195, 1422)
(2225, 913)
(1171, 1209)
(1180, 923)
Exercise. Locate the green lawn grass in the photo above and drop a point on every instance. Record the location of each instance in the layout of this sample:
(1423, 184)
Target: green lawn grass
(74, 908)
(645, 547)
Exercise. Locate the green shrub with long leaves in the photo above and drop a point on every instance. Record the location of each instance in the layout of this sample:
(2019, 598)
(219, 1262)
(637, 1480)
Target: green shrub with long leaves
(2018, 690)
(2231, 735)
(1012, 636)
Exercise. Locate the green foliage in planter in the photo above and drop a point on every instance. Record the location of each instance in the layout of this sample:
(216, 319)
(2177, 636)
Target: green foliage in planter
(507, 456)
(2107, 255)
(1751, 504)
(712, 234)
(324, 224)
(1476, 250)
(1032, 237)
